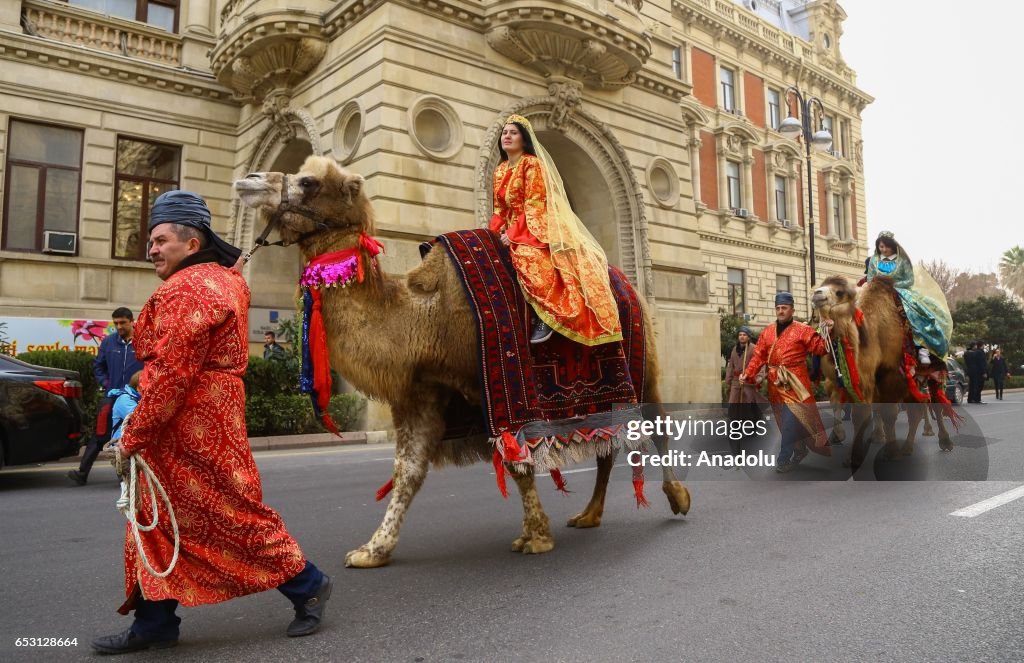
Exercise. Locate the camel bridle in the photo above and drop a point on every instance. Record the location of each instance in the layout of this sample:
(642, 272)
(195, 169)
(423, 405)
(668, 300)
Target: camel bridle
(288, 206)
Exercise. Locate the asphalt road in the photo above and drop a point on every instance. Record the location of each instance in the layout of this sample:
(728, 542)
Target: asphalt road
(764, 568)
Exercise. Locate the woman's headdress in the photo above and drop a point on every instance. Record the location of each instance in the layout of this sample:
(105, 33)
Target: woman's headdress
(519, 119)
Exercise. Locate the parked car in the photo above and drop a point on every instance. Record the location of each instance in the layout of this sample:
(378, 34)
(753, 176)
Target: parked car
(956, 381)
(40, 412)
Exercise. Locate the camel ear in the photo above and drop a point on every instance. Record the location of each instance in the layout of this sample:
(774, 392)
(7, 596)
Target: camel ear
(354, 185)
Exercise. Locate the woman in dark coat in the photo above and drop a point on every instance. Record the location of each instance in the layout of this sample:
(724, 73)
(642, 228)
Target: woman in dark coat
(743, 398)
(998, 370)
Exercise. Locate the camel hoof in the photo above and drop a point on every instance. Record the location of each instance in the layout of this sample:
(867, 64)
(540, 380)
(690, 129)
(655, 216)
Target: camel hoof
(584, 520)
(946, 444)
(907, 451)
(678, 496)
(537, 546)
(928, 432)
(519, 544)
(362, 558)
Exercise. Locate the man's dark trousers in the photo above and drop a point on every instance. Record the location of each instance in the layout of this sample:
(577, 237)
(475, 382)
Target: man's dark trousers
(104, 422)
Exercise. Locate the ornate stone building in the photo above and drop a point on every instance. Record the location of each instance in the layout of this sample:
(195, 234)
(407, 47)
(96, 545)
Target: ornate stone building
(658, 112)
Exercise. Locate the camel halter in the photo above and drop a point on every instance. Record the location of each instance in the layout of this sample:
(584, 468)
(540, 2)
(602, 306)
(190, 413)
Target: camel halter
(127, 505)
(286, 207)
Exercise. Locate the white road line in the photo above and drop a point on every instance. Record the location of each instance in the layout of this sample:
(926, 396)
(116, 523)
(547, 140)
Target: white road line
(990, 503)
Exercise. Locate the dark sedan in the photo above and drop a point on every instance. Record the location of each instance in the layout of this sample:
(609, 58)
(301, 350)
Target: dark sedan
(956, 381)
(40, 412)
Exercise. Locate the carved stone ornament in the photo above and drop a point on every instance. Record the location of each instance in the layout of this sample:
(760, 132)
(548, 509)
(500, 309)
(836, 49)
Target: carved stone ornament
(568, 98)
(280, 65)
(780, 159)
(734, 143)
(859, 155)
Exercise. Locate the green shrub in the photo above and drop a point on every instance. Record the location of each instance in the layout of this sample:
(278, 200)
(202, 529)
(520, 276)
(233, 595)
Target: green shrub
(292, 414)
(347, 410)
(78, 361)
(265, 378)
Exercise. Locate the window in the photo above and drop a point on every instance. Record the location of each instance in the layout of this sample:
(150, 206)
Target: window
(728, 89)
(144, 171)
(774, 108)
(826, 124)
(736, 300)
(43, 183)
(158, 13)
(782, 283)
(837, 216)
(677, 62)
(844, 138)
(780, 198)
(732, 177)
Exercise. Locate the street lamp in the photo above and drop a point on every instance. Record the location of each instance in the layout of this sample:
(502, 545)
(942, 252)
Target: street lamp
(819, 140)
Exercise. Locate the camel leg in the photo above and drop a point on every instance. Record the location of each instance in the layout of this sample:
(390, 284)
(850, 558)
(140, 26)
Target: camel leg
(928, 430)
(915, 413)
(536, 536)
(945, 442)
(591, 516)
(418, 434)
(677, 494)
(863, 419)
(838, 434)
(888, 412)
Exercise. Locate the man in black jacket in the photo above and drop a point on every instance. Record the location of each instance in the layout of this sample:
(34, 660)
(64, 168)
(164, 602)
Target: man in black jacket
(975, 365)
(114, 366)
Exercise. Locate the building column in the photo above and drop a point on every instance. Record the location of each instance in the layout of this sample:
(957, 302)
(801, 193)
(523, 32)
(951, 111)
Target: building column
(197, 34)
(792, 183)
(695, 143)
(747, 182)
(848, 219)
(723, 180)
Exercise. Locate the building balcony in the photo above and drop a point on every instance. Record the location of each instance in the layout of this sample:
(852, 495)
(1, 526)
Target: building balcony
(601, 43)
(266, 45)
(58, 21)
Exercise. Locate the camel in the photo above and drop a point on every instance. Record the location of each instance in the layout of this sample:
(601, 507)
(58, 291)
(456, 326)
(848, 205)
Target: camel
(878, 351)
(412, 343)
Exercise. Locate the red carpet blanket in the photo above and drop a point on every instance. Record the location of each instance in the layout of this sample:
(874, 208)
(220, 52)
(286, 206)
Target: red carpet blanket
(555, 402)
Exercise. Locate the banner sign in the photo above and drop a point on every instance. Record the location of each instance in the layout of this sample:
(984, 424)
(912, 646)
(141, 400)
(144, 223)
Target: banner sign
(35, 334)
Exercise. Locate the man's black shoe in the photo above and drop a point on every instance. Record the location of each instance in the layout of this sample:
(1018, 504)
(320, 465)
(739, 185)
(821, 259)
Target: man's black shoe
(541, 332)
(308, 617)
(78, 477)
(799, 455)
(128, 641)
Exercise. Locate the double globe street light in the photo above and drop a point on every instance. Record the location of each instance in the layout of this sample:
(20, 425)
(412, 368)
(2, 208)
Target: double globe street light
(820, 141)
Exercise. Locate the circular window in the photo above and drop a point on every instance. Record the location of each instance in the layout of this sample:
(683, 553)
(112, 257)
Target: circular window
(435, 127)
(348, 131)
(663, 182)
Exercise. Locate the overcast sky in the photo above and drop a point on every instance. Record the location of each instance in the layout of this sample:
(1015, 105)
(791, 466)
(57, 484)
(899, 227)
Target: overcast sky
(943, 147)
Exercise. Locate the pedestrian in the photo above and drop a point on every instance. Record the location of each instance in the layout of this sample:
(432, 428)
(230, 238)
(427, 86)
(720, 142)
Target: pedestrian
(975, 365)
(189, 427)
(743, 398)
(783, 348)
(562, 269)
(999, 370)
(114, 365)
(272, 350)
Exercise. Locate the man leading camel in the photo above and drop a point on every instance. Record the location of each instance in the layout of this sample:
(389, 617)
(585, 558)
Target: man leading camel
(189, 427)
(784, 347)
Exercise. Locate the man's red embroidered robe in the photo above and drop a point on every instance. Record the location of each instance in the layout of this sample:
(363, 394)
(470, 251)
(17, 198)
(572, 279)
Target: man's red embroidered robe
(189, 427)
(789, 383)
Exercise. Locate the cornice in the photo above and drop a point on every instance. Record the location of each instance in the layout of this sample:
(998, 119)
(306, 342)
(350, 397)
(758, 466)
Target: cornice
(84, 61)
(775, 45)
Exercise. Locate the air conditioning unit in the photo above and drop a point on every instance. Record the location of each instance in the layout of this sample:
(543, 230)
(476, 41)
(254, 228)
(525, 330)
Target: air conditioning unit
(836, 153)
(60, 242)
(742, 212)
(785, 223)
(735, 111)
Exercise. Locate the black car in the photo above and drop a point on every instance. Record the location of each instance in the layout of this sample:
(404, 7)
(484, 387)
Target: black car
(956, 381)
(40, 412)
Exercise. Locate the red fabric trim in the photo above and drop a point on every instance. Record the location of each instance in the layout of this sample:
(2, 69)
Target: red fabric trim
(499, 473)
(383, 491)
(559, 480)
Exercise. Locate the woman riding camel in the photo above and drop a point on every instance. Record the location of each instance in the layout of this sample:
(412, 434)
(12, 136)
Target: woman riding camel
(923, 301)
(562, 269)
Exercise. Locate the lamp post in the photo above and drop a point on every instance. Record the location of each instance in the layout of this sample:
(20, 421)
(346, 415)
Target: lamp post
(819, 140)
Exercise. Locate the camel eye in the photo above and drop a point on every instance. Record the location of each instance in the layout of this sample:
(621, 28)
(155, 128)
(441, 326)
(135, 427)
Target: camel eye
(308, 183)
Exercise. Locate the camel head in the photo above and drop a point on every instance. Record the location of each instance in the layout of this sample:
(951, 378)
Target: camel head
(322, 206)
(833, 292)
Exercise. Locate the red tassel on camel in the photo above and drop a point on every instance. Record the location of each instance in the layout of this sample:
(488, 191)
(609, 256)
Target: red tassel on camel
(383, 491)
(499, 473)
(560, 485)
(320, 358)
(638, 487)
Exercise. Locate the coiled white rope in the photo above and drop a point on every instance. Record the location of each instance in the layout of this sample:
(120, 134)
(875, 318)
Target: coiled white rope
(127, 505)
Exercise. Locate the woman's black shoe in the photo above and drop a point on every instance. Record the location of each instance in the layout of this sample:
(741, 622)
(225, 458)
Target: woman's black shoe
(541, 332)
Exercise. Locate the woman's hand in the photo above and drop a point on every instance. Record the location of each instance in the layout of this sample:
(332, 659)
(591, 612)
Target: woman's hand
(505, 240)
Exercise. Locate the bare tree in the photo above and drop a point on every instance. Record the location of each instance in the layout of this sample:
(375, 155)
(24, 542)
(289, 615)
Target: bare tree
(945, 275)
(971, 286)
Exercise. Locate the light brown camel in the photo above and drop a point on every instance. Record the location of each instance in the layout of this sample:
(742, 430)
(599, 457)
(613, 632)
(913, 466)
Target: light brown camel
(411, 343)
(878, 351)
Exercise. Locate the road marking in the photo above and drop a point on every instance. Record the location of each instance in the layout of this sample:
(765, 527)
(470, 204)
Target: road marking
(582, 469)
(990, 503)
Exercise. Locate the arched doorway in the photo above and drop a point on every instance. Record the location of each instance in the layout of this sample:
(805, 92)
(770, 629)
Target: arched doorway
(274, 270)
(587, 190)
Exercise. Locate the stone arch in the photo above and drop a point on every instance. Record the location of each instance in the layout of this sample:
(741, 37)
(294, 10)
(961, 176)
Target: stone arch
(290, 136)
(585, 142)
(743, 131)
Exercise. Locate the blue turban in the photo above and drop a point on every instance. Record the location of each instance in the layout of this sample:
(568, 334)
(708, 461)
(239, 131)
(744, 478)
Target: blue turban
(784, 298)
(189, 209)
(744, 330)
